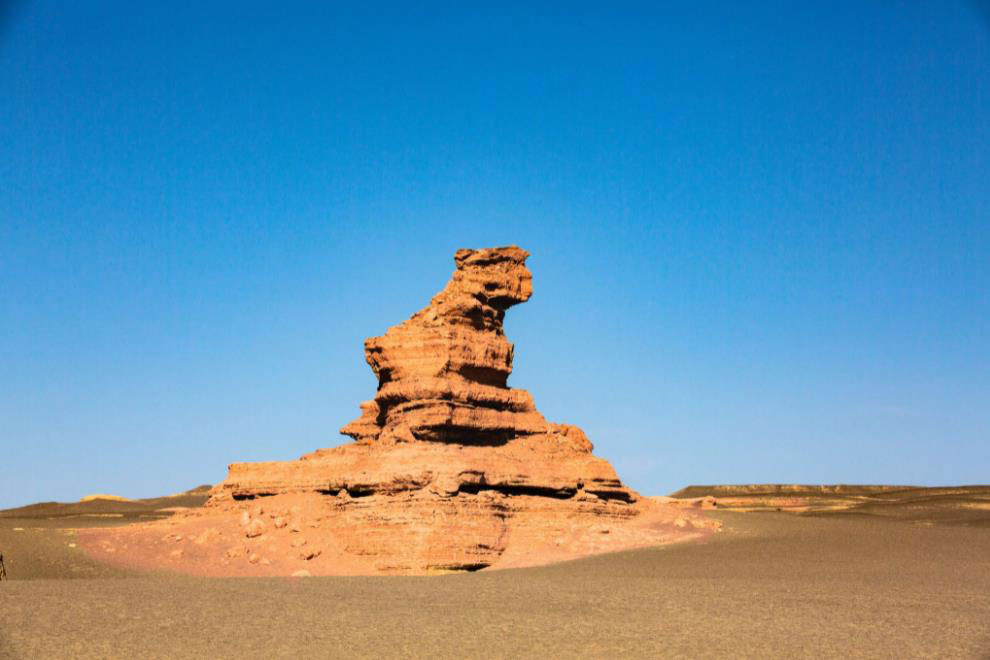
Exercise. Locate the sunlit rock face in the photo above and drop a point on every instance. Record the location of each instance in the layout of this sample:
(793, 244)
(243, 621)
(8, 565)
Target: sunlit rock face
(451, 468)
(442, 374)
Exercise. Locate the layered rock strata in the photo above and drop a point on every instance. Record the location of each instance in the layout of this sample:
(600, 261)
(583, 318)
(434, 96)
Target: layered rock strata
(443, 418)
(451, 469)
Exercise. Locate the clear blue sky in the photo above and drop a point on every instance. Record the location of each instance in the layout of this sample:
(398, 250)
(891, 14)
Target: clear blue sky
(760, 231)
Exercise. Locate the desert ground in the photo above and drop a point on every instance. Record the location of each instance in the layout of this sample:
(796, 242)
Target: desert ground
(870, 578)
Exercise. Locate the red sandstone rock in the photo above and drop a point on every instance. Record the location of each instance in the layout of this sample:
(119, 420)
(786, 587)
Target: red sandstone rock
(451, 469)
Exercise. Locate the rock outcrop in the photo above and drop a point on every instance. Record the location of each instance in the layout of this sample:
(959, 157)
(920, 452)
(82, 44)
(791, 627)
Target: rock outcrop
(443, 418)
(451, 469)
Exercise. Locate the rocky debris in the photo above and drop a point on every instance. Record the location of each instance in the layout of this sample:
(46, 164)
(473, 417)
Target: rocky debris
(450, 468)
(309, 553)
(254, 528)
(302, 573)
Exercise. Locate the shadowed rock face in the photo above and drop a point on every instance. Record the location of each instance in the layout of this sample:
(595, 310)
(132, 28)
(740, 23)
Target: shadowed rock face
(450, 466)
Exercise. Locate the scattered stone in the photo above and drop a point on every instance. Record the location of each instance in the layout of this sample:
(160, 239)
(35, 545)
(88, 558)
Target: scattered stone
(310, 553)
(254, 529)
(298, 542)
(302, 573)
(254, 558)
(279, 522)
(245, 519)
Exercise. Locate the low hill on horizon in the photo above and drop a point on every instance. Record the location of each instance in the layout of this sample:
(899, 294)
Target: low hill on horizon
(112, 506)
(933, 505)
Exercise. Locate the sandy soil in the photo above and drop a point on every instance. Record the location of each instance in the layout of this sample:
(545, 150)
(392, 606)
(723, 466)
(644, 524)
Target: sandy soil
(771, 585)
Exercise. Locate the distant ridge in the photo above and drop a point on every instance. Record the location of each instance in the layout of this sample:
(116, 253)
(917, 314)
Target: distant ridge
(786, 489)
(111, 505)
(937, 505)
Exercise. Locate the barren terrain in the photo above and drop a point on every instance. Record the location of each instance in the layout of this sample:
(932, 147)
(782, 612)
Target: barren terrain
(771, 585)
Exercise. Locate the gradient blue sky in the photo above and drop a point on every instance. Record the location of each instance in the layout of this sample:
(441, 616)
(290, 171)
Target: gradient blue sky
(760, 233)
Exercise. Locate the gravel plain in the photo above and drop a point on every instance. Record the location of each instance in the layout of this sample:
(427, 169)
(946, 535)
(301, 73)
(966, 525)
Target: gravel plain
(770, 585)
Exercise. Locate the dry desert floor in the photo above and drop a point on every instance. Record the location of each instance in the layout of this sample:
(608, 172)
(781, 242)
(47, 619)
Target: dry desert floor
(771, 585)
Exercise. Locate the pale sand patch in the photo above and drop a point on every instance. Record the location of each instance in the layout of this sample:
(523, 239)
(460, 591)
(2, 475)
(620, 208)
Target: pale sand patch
(101, 515)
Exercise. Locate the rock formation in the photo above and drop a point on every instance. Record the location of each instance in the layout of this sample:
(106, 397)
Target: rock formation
(444, 420)
(451, 469)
